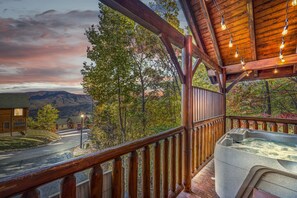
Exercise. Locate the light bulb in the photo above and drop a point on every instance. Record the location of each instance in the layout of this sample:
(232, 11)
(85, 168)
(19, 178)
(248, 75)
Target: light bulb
(243, 67)
(294, 2)
(283, 43)
(236, 53)
(242, 62)
(247, 74)
(281, 56)
(223, 25)
(283, 60)
(275, 71)
(230, 42)
(285, 31)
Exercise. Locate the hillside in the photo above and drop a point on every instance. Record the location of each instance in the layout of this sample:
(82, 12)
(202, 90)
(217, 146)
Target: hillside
(68, 104)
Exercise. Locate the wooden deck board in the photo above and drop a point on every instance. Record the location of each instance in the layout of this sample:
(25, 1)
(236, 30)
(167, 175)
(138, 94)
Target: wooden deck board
(203, 184)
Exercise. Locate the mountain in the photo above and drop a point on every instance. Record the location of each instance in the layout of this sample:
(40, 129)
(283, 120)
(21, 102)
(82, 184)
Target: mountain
(67, 103)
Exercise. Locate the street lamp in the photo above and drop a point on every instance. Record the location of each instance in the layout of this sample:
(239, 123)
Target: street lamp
(81, 128)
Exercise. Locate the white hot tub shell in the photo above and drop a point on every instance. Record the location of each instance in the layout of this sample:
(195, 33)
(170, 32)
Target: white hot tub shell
(232, 165)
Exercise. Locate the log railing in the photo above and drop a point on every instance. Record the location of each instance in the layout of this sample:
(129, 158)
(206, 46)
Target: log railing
(161, 159)
(204, 136)
(267, 124)
(167, 157)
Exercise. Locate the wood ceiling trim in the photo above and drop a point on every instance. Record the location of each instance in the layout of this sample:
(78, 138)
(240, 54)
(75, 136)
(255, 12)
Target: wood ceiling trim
(263, 64)
(211, 30)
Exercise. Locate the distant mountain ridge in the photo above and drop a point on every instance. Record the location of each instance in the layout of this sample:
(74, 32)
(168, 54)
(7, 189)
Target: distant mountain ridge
(68, 104)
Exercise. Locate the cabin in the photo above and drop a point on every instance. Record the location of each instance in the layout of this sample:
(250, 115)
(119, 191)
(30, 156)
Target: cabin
(14, 109)
(237, 40)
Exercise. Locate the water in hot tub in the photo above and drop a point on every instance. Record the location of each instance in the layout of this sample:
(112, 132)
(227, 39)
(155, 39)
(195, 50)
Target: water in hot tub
(268, 148)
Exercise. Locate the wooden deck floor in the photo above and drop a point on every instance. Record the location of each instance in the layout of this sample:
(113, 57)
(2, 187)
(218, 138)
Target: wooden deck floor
(203, 184)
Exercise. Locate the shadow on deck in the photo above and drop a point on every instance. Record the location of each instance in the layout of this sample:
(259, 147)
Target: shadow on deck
(203, 184)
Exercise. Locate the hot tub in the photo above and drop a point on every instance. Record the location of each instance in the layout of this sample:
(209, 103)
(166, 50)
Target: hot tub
(242, 149)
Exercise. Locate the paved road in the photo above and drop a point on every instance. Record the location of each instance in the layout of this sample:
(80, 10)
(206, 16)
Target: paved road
(18, 161)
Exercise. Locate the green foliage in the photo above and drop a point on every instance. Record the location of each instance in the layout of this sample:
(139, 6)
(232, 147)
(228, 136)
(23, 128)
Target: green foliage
(252, 98)
(46, 119)
(132, 78)
(201, 79)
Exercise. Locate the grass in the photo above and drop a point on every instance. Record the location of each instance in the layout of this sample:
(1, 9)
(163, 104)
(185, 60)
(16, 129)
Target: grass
(32, 138)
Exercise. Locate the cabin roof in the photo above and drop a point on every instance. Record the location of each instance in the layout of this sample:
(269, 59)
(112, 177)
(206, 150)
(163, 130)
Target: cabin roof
(14, 100)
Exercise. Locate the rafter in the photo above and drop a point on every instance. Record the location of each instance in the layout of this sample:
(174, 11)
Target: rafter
(195, 66)
(173, 57)
(211, 31)
(239, 78)
(263, 64)
(190, 17)
(250, 12)
(140, 13)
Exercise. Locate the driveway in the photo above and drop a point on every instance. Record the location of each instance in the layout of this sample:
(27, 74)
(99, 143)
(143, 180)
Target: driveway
(18, 161)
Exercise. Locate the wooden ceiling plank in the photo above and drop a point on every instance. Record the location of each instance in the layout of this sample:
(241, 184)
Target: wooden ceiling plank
(239, 78)
(143, 15)
(211, 30)
(190, 17)
(263, 64)
(250, 12)
(173, 57)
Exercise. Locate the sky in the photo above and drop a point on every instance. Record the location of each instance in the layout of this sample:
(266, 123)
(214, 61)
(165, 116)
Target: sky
(42, 43)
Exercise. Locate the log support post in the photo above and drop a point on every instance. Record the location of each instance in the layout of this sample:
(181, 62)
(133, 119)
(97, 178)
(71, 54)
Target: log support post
(187, 113)
(224, 80)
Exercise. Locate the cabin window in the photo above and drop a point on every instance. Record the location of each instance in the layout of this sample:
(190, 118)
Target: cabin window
(18, 112)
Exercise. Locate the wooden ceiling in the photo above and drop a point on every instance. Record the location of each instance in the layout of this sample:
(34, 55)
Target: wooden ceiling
(256, 28)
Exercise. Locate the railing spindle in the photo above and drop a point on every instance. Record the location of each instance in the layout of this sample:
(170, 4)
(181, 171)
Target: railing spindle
(165, 168)
(274, 127)
(193, 152)
(179, 159)
(295, 129)
(157, 171)
(68, 187)
(285, 128)
(173, 166)
(197, 148)
(96, 183)
(146, 172)
(255, 125)
(264, 126)
(231, 122)
(31, 194)
(117, 178)
(133, 167)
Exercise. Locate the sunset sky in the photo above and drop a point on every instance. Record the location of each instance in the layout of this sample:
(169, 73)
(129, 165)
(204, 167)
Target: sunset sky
(42, 43)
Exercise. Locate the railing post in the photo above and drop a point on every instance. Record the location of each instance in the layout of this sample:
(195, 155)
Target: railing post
(187, 112)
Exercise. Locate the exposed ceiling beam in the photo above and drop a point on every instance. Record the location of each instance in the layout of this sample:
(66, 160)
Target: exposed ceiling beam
(191, 19)
(173, 57)
(211, 31)
(250, 12)
(286, 71)
(263, 64)
(239, 78)
(143, 15)
(195, 66)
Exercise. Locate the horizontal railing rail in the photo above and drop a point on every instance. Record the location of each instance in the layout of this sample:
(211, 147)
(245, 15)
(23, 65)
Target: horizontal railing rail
(28, 182)
(267, 124)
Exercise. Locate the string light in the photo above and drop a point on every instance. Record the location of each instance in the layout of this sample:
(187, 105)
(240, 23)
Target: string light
(230, 42)
(242, 61)
(285, 31)
(247, 74)
(283, 60)
(223, 25)
(281, 56)
(236, 53)
(275, 71)
(294, 2)
(282, 44)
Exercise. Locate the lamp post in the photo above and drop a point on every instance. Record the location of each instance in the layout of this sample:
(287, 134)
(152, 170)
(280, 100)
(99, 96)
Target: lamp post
(81, 128)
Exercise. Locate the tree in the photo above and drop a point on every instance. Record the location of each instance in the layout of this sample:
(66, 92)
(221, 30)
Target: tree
(47, 117)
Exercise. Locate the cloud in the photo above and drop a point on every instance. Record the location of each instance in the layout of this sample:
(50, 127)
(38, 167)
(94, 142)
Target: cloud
(49, 47)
